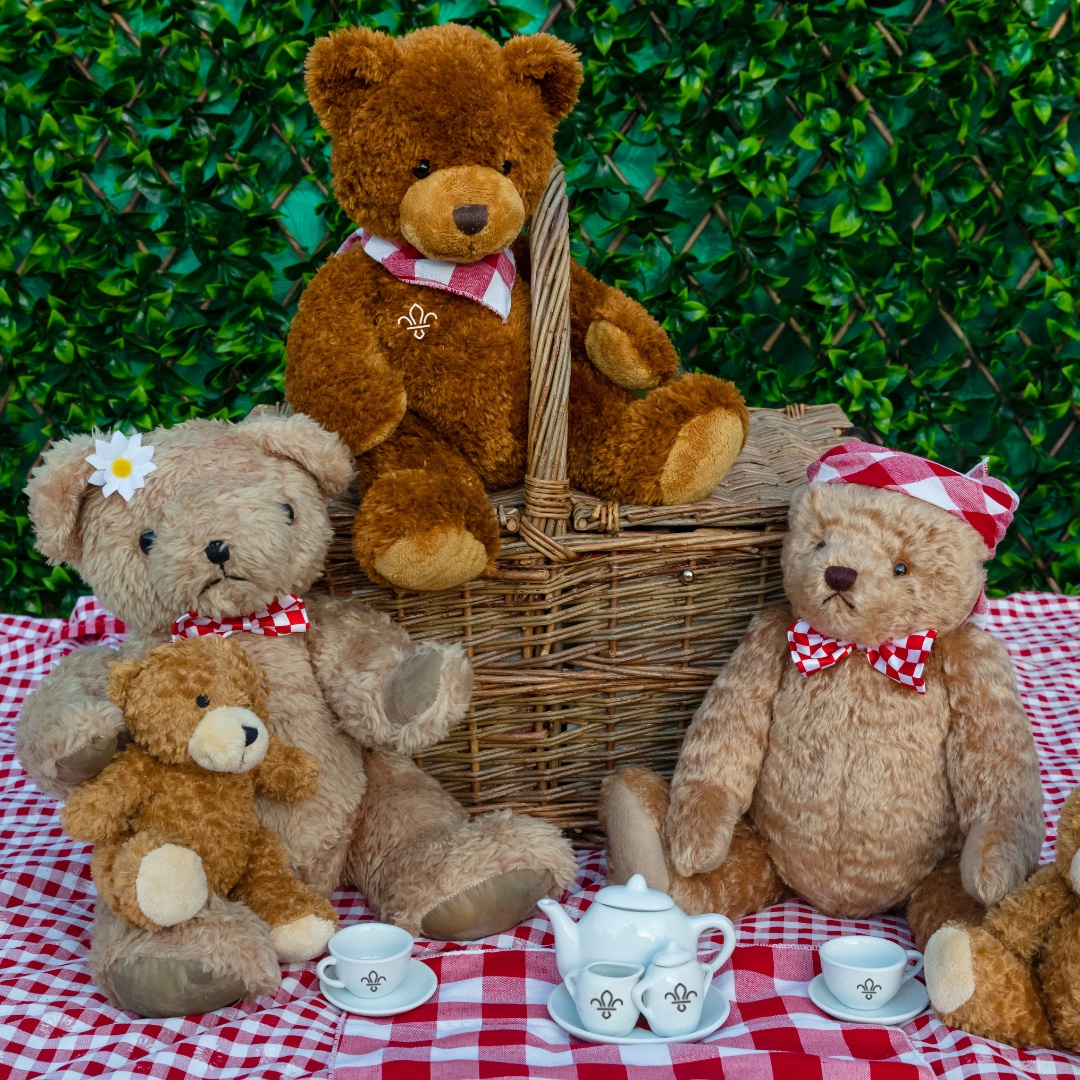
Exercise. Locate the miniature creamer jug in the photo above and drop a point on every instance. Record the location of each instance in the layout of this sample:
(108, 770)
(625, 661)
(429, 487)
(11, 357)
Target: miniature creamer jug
(629, 923)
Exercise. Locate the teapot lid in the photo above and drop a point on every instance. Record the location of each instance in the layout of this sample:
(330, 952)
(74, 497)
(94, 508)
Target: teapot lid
(635, 895)
(673, 955)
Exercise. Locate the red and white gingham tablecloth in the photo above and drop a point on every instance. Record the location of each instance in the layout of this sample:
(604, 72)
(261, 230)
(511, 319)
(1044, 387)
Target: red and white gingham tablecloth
(488, 1018)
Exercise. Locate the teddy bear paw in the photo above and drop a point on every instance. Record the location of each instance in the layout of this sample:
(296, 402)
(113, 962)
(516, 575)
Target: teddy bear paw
(302, 939)
(442, 558)
(704, 449)
(950, 976)
(170, 887)
(611, 350)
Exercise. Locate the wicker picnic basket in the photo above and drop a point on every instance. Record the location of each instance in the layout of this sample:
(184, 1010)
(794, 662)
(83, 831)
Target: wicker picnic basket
(602, 626)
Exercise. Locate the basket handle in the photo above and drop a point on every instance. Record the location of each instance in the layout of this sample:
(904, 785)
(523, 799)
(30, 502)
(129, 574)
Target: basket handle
(547, 487)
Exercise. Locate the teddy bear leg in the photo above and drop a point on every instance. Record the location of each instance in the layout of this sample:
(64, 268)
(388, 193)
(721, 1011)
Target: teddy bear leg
(942, 899)
(301, 921)
(633, 809)
(221, 955)
(424, 522)
(425, 865)
(672, 447)
(977, 985)
(150, 882)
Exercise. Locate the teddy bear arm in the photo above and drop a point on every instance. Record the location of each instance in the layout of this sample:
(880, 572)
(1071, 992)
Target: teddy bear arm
(721, 756)
(332, 344)
(287, 773)
(101, 808)
(68, 727)
(1021, 921)
(992, 766)
(617, 334)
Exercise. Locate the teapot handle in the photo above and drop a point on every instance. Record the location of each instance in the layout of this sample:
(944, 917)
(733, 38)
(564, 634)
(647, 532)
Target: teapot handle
(716, 922)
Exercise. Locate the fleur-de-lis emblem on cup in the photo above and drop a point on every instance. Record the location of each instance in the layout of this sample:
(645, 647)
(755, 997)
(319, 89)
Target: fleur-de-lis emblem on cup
(606, 1004)
(681, 996)
(417, 321)
(868, 988)
(373, 980)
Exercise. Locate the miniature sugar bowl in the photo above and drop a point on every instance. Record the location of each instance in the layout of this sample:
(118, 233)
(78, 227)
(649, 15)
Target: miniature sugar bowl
(672, 991)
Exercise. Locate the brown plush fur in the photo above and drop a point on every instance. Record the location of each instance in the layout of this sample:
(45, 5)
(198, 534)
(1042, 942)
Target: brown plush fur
(354, 681)
(846, 787)
(155, 793)
(1015, 977)
(441, 417)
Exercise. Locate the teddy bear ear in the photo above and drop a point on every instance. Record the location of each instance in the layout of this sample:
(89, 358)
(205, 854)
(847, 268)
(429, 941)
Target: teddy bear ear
(55, 491)
(549, 64)
(344, 66)
(299, 438)
(122, 674)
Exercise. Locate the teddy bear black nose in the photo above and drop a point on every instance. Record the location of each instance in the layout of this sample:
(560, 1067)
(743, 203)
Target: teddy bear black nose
(250, 735)
(217, 551)
(840, 578)
(470, 219)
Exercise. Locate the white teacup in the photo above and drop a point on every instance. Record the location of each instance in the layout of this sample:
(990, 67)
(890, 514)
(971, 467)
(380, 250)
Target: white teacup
(602, 994)
(866, 972)
(368, 959)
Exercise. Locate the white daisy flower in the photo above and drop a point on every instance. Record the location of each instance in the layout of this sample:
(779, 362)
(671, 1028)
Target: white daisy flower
(121, 464)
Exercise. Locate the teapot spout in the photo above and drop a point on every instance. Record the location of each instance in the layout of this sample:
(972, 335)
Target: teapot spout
(567, 941)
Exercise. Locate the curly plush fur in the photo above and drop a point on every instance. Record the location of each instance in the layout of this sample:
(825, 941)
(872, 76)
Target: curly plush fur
(442, 417)
(1014, 978)
(354, 692)
(846, 788)
(181, 796)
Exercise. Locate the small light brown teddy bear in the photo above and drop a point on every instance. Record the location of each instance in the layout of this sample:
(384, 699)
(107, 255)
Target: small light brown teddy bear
(1015, 977)
(173, 816)
(412, 341)
(862, 736)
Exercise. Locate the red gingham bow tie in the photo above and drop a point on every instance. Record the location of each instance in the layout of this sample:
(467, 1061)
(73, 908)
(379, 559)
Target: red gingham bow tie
(286, 615)
(902, 659)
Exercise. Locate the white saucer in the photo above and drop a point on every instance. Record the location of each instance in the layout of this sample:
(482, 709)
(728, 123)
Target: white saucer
(563, 1011)
(417, 986)
(911, 1000)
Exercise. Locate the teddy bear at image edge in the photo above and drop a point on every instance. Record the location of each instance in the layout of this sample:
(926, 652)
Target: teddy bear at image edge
(412, 341)
(1013, 977)
(172, 817)
(865, 746)
(226, 534)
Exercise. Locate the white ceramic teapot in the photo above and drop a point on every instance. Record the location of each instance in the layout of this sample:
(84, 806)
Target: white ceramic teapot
(629, 923)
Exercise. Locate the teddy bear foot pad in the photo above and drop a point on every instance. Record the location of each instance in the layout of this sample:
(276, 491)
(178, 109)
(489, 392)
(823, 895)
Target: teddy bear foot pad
(911, 1000)
(416, 988)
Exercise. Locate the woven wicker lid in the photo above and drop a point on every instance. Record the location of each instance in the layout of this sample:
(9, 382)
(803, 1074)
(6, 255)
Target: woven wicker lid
(635, 895)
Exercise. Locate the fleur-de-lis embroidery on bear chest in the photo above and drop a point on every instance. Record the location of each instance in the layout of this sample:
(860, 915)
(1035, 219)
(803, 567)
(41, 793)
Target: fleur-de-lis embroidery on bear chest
(418, 321)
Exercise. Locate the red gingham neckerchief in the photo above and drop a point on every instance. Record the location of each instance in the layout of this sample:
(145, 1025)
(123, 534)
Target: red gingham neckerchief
(286, 615)
(489, 281)
(902, 659)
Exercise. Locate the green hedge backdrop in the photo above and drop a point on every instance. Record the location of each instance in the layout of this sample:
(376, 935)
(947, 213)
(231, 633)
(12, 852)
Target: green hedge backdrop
(874, 204)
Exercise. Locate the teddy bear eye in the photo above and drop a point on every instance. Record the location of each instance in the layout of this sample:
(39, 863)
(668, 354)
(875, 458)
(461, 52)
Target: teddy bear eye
(422, 170)
(506, 167)
(900, 569)
(821, 544)
(290, 511)
(202, 701)
(146, 542)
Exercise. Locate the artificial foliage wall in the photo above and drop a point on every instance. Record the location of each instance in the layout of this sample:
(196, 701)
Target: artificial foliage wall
(874, 204)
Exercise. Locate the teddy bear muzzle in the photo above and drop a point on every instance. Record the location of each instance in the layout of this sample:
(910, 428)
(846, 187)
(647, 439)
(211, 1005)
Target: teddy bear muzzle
(229, 739)
(461, 213)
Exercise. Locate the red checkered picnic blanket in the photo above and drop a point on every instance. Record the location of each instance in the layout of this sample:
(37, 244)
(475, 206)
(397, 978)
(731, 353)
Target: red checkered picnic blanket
(488, 1018)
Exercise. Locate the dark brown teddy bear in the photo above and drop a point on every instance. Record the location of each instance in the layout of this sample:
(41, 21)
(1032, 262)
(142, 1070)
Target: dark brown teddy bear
(173, 816)
(442, 147)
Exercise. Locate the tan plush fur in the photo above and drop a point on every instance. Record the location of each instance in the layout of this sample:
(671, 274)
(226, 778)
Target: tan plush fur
(156, 796)
(1015, 977)
(440, 417)
(845, 787)
(351, 692)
